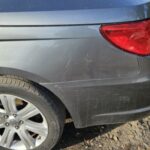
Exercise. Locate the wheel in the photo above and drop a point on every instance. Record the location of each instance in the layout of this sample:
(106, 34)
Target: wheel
(29, 117)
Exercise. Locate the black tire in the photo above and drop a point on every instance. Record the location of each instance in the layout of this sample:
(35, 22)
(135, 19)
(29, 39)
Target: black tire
(52, 109)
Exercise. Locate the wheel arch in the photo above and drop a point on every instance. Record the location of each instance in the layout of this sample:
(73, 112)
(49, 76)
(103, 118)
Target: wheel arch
(23, 74)
(35, 79)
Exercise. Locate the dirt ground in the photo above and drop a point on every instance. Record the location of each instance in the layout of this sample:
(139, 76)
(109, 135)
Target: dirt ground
(130, 136)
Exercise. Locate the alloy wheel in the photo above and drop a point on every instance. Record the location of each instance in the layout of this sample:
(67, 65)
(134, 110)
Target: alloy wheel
(22, 125)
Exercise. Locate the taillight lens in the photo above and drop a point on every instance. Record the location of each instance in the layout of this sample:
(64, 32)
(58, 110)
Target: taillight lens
(132, 37)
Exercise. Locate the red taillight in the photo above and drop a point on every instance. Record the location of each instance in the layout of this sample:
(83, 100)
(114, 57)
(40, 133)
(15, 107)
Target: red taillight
(132, 37)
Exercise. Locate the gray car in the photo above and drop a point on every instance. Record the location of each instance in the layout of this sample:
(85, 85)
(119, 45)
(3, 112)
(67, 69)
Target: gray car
(88, 60)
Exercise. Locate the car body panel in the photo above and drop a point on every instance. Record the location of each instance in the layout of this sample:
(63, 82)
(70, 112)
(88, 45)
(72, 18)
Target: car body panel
(63, 51)
(31, 14)
(79, 57)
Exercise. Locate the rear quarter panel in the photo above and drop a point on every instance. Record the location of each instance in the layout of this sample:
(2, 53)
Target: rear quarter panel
(70, 61)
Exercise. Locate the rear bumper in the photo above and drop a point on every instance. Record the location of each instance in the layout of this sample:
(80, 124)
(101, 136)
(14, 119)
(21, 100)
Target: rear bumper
(120, 117)
(99, 102)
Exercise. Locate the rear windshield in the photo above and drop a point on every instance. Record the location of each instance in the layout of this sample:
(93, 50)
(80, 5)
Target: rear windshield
(50, 5)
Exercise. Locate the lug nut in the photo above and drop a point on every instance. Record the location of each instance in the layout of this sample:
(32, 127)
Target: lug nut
(21, 122)
(14, 115)
(6, 116)
(7, 124)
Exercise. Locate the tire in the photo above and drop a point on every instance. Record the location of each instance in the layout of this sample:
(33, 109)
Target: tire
(51, 108)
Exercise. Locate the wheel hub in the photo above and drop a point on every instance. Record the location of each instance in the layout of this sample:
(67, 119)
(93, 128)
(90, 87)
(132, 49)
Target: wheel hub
(13, 121)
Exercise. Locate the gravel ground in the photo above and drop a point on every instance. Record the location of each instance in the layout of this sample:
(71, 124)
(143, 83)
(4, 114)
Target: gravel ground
(130, 136)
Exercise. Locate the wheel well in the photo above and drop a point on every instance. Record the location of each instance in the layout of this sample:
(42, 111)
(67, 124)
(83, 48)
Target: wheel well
(52, 95)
